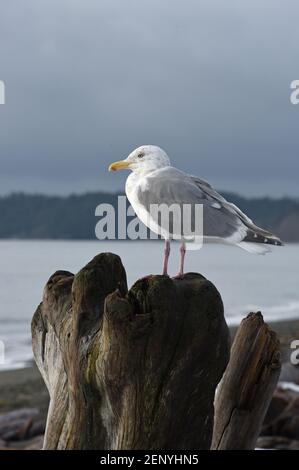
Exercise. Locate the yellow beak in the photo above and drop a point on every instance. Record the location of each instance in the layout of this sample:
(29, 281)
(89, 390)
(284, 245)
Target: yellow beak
(121, 165)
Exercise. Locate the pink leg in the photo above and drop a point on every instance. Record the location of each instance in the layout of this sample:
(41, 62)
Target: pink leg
(183, 252)
(166, 257)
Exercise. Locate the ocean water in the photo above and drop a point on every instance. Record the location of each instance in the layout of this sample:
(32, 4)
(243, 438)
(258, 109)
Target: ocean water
(246, 282)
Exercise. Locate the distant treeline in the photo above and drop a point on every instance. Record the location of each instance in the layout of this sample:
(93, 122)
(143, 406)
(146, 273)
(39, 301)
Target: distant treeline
(73, 217)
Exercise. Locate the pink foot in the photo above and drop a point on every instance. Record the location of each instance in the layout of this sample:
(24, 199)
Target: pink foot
(178, 276)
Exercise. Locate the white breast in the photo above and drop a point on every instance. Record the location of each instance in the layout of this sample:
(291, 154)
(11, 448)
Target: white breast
(134, 183)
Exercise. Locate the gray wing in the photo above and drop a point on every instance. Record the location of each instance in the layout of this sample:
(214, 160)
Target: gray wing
(221, 219)
(254, 233)
(170, 186)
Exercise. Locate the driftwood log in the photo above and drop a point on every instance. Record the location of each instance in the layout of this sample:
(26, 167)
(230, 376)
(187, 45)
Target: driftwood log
(21, 424)
(131, 369)
(247, 386)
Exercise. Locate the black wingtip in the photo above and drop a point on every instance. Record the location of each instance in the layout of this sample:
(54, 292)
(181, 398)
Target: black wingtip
(268, 239)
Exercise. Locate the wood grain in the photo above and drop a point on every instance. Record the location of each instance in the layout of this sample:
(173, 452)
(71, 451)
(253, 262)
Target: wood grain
(131, 369)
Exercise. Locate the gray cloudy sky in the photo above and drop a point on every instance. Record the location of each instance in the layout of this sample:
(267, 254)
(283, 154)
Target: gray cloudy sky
(209, 81)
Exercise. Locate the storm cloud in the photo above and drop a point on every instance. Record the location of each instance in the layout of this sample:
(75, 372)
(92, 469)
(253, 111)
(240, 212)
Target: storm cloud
(209, 81)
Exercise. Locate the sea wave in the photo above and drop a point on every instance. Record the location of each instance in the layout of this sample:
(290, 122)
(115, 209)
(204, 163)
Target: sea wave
(271, 313)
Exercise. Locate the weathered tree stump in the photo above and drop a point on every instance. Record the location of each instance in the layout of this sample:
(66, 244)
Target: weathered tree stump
(129, 370)
(247, 386)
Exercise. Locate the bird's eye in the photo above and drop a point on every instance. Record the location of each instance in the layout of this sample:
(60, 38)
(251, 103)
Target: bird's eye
(140, 155)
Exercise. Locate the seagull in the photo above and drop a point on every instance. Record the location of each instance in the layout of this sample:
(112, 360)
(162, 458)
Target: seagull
(153, 181)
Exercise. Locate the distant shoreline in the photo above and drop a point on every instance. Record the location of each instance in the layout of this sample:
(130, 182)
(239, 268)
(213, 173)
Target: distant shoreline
(37, 216)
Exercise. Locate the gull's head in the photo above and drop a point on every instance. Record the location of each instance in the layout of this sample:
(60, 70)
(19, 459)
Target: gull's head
(142, 160)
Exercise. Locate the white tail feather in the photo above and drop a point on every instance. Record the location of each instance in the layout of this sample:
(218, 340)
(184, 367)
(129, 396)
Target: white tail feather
(255, 248)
